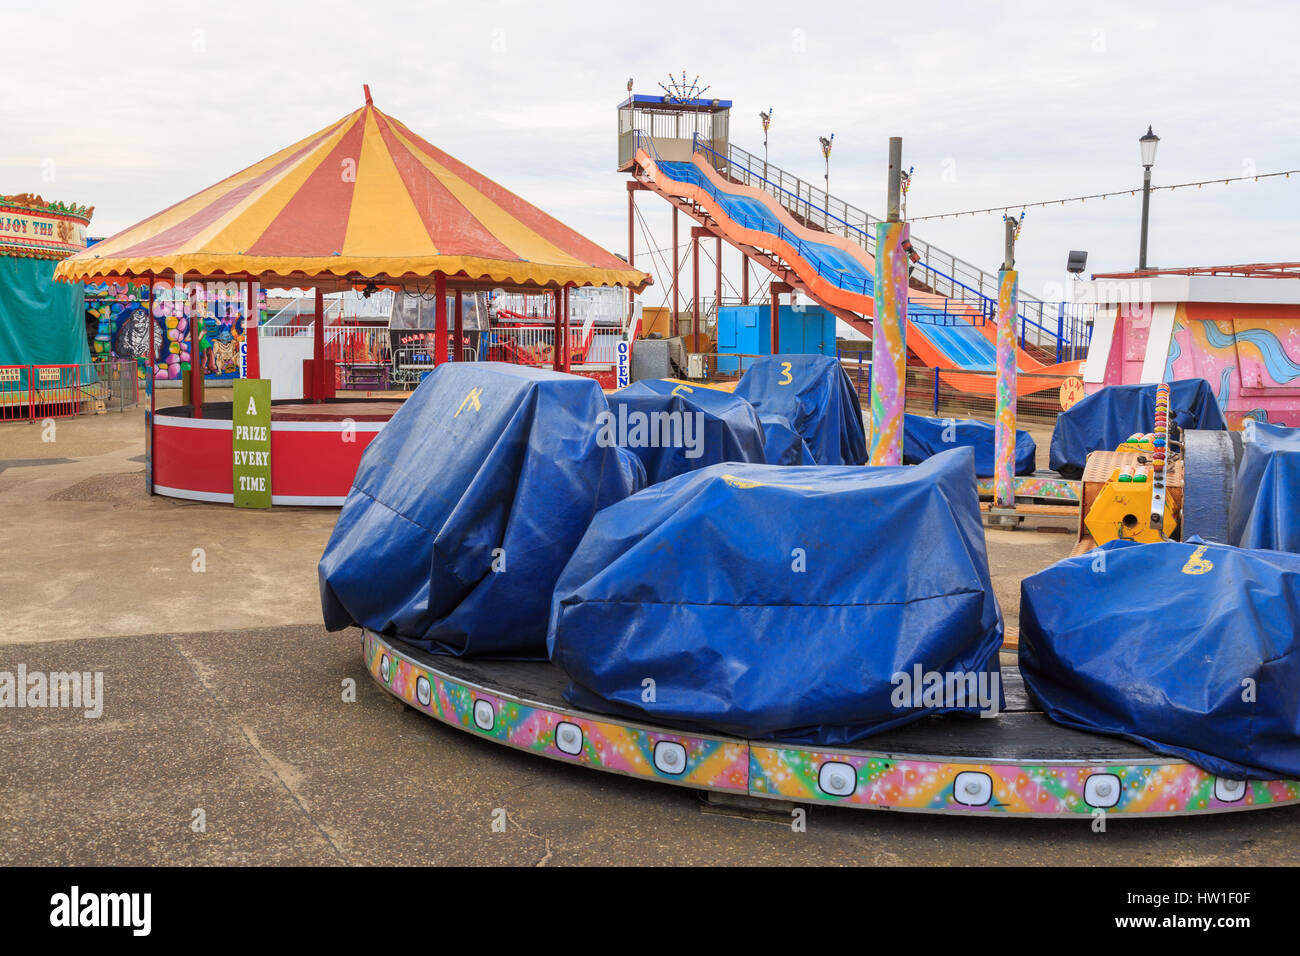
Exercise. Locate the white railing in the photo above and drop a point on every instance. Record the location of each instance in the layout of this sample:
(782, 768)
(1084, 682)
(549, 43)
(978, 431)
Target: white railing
(530, 345)
(339, 307)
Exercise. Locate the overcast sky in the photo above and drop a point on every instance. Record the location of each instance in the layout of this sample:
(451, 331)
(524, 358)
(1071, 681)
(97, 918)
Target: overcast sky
(130, 107)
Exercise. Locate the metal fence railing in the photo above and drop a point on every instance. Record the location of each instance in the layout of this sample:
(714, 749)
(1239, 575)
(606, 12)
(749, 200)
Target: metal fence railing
(114, 385)
(40, 391)
(55, 391)
(15, 402)
(727, 366)
(941, 271)
(960, 393)
(410, 364)
(531, 345)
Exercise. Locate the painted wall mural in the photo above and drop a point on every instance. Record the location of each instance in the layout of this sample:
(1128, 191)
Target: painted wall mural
(117, 316)
(1250, 355)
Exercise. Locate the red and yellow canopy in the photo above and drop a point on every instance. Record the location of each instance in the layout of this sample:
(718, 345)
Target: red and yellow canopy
(365, 198)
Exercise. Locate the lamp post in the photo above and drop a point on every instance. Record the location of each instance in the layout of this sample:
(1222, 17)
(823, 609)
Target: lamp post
(767, 121)
(826, 154)
(1148, 144)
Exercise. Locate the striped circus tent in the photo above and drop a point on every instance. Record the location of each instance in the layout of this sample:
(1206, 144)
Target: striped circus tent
(365, 198)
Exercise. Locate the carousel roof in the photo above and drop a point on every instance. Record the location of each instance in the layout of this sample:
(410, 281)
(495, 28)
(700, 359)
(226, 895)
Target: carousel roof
(364, 198)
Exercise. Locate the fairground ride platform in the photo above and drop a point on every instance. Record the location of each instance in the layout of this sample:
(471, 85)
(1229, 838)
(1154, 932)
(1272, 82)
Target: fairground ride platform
(1017, 764)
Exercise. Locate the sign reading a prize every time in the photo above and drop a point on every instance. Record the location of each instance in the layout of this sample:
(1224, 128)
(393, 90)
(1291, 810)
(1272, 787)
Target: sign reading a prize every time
(252, 443)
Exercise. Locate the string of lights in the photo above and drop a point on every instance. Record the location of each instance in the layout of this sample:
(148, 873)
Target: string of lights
(1119, 192)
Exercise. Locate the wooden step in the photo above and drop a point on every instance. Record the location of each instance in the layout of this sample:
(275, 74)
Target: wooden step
(1042, 511)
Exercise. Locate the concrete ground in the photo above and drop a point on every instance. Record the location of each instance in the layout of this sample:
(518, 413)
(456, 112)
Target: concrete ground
(224, 700)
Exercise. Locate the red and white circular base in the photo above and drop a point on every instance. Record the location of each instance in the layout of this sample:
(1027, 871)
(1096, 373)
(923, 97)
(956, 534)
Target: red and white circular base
(315, 451)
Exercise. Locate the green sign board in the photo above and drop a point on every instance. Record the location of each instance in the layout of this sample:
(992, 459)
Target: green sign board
(252, 442)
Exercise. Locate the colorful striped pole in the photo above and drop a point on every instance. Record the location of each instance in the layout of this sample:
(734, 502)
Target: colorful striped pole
(889, 345)
(1004, 440)
(888, 388)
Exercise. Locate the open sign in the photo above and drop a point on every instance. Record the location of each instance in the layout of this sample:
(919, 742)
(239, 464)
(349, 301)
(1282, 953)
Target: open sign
(622, 354)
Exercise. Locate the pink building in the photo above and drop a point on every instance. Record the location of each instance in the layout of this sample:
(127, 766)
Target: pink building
(1237, 327)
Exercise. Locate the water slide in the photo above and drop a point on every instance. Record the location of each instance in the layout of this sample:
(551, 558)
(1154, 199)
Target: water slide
(839, 273)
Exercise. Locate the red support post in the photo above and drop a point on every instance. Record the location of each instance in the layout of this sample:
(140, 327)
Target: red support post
(458, 333)
(558, 349)
(196, 354)
(631, 237)
(153, 349)
(776, 288)
(674, 331)
(744, 279)
(775, 318)
(439, 319)
(717, 276)
(252, 329)
(695, 292)
(153, 390)
(568, 356)
(318, 350)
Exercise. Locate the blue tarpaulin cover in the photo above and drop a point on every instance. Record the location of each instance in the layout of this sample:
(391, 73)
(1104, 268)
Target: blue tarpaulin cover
(675, 428)
(923, 437)
(1160, 643)
(1106, 418)
(770, 601)
(815, 396)
(782, 445)
(1265, 511)
(466, 507)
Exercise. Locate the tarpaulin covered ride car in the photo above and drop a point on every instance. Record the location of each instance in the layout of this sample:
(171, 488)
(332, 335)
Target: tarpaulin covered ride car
(1106, 418)
(674, 427)
(466, 507)
(816, 398)
(1189, 649)
(782, 445)
(923, 437)
(801, 603)
(1265, 510)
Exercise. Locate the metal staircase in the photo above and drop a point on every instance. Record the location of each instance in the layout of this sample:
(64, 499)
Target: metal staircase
(1062, 325)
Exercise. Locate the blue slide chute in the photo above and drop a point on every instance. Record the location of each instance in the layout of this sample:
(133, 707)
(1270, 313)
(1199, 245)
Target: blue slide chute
(1106, 418)
(783, 602)
(675, 428)
(1189, 649)
(466, 507)
(817, 400)
(924, 437)
(1265, 510)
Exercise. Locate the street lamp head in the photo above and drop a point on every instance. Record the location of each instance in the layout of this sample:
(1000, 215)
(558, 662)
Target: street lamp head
(1149, 142)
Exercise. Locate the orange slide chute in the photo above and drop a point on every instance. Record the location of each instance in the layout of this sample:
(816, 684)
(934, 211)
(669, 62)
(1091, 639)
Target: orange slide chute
(827, 293)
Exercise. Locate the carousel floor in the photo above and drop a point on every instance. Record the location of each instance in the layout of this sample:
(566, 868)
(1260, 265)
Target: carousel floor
(1018, 763)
